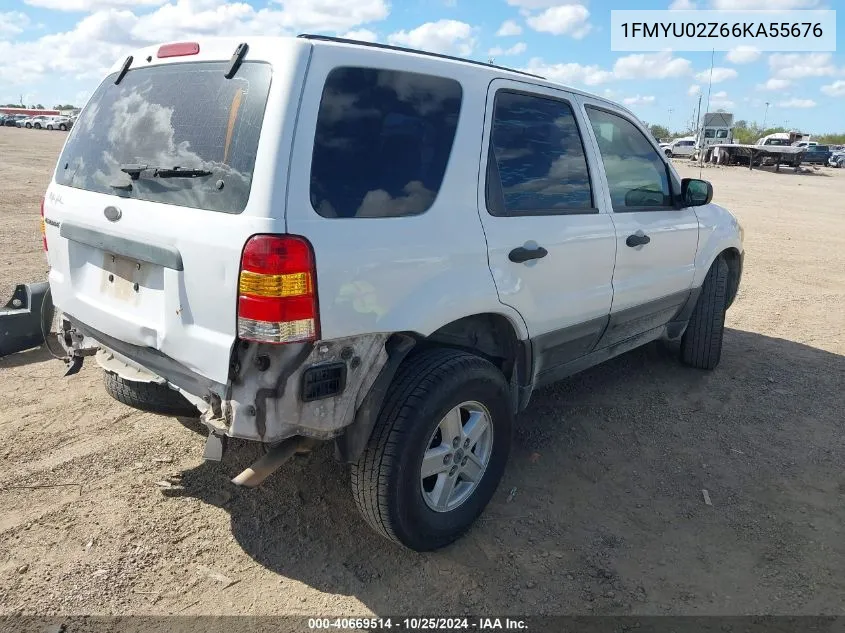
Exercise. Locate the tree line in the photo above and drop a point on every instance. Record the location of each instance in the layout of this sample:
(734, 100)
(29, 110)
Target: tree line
(37, 106)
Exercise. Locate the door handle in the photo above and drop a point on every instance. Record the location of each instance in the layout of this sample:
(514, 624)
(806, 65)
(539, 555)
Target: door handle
(637, 240)
(522, 254)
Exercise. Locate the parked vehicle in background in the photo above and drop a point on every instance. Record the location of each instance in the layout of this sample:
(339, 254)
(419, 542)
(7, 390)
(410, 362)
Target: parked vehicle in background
(24, 121)
(816, 155)
(716, 129)
(837, 159)
(679, 147)
(62, 123)
(206, 262)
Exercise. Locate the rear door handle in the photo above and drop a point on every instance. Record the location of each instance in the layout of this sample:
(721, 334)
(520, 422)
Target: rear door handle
(521, 254)
(637, 240)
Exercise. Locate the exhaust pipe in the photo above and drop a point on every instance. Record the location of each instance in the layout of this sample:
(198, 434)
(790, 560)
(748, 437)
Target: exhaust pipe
(272, 460)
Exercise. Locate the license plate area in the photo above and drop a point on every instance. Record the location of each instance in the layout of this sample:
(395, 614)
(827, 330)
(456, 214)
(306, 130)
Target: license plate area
(124, 279)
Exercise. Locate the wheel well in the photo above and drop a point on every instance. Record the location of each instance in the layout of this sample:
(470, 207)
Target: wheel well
(489, 335)
(731, 256)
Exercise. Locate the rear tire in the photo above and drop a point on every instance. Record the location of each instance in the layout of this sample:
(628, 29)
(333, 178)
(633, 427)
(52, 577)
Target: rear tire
(388, 482)
(63, 127)
(50, 127)
(148, 396)
(701, 345)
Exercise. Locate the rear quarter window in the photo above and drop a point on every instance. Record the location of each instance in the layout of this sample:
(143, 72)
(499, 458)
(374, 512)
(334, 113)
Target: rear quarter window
(382, 142)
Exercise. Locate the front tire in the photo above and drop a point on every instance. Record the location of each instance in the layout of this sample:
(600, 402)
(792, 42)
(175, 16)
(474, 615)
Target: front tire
(438, 449)
(148, 396)
(37, 126)
(63, 127)
(28, 125)
(701, 345)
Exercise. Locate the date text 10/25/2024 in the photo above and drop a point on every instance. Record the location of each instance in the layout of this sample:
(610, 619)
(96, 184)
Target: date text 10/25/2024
(418, 624)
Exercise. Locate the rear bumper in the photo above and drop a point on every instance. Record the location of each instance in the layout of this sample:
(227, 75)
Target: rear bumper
(21, 319)
(263, 400)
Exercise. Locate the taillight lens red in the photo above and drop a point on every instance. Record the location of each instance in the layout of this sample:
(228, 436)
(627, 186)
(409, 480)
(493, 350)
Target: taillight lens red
(43, 227)
(178, 49)
(277, 296)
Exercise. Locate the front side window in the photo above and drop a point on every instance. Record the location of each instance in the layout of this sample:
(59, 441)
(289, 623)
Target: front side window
(382, 143)
(709, 133)
(537, 164)
(636, 174)
(721, 134)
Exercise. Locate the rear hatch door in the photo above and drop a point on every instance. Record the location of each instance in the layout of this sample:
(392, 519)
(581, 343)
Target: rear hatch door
(154, 196)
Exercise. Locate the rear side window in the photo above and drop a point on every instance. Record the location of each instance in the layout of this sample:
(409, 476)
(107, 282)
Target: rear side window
(636, 174)
(184, 116)
(536, 163)
(382, 142)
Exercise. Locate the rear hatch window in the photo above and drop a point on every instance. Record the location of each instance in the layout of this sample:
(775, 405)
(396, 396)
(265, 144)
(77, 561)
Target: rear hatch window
(133, 139)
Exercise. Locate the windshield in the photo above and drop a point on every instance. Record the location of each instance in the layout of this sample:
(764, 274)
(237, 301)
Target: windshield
(185, 115)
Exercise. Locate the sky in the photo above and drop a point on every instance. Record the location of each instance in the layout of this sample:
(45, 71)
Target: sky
(58, 51)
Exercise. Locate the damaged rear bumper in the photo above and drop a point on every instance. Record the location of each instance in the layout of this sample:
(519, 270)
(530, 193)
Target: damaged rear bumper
(274, 392)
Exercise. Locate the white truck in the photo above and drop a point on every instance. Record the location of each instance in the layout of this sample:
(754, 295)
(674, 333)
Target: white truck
(716, 129)
(343, 254)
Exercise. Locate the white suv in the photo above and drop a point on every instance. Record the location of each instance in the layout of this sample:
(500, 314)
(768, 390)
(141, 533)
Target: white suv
(679, 147)
(382, 248)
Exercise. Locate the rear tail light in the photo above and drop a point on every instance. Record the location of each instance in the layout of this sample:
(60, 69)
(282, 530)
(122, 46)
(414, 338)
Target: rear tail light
(178, 49)
(277, 295)
(43, 227)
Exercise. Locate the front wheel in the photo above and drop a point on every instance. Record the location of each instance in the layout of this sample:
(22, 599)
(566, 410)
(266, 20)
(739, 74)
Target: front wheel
(28, 125)
(701, 345)
(668, 153)
(50, 127)
(438, 449)
(63, 127)
(37, 126)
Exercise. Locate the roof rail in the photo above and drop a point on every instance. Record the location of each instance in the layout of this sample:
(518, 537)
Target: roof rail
(341, 40)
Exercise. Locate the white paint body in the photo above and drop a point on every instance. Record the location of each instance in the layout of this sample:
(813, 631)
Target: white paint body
(414, 273)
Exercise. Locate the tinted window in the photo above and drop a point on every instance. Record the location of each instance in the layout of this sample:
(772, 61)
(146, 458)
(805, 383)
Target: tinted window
(537, 162)
(721, 134)
(382, 143)
(636, 174)
(185, 115)
(820, 148)
(709, 133)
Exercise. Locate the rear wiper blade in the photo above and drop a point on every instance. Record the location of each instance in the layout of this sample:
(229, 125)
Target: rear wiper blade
(135, 171)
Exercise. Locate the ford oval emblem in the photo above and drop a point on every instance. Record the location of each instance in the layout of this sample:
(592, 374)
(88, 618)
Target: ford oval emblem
(112, 214)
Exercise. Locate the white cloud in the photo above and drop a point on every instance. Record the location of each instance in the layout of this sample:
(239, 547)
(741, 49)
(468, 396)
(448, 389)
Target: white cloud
(12, 23)
(567, 19)
(516, 49)
(750, 5)
(570, 73)
(743, 55)
(719, 74)
(362, 35)
(683, 5)
(444, 36)
(651, 66)
(638, 100)
(89, 6)
(775, 84)
(720, 101)
(836, 89)
(534, 4)
(87, 51)
(508, 28)
(798, 65)
(797, 103)
(694, 90)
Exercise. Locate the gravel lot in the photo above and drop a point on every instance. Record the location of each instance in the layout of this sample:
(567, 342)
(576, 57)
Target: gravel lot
(608, 467)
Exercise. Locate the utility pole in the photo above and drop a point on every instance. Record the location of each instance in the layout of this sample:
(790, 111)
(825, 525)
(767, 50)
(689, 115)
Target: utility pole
(669, 122)
(766, 115)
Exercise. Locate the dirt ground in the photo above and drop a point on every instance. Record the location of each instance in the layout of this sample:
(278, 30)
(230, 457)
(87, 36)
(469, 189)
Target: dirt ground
(600, 510)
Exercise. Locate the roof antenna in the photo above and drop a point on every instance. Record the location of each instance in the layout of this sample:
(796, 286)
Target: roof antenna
(709, 89)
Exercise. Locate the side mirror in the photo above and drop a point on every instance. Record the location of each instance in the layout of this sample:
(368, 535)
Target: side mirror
(696, 193)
